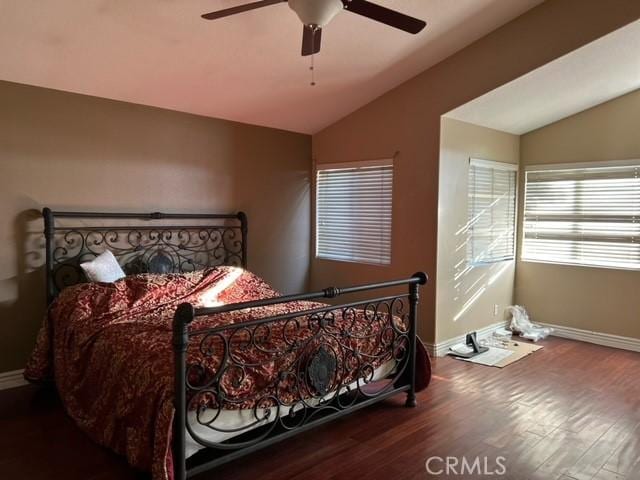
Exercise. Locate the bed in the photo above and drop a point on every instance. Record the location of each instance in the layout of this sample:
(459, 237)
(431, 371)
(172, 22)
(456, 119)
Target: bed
(191, 360)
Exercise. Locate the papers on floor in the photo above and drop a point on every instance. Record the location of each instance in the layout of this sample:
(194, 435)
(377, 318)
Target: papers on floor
(461, 349)
(491, 357)
(501, 353)
(503, 334)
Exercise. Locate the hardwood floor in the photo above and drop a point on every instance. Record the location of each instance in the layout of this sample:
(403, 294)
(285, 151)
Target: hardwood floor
(569, 411)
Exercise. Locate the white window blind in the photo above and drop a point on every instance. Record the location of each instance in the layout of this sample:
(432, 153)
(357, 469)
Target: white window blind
(353, 212)
(492, 211)
(583, 216)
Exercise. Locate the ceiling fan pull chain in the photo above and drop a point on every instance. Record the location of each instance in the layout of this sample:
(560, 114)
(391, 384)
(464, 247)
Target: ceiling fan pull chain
(313, 71)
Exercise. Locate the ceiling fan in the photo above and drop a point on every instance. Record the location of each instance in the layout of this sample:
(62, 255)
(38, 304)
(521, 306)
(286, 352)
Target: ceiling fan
(316, 14)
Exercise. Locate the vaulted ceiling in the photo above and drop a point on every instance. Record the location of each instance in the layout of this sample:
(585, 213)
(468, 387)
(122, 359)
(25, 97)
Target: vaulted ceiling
(595, 73)
(246, 68)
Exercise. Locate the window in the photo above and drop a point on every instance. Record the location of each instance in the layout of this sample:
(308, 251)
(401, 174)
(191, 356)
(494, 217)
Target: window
(492, 211)
(583, 216)
(353, 212)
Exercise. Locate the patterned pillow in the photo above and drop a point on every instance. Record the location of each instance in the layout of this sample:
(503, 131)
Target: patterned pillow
(103, 268)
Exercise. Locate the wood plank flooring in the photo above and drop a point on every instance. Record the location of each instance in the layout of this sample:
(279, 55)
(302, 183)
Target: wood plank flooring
(569, 412)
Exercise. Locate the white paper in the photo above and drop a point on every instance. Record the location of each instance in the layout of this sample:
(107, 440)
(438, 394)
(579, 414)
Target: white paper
(461, 348)
(491, 357)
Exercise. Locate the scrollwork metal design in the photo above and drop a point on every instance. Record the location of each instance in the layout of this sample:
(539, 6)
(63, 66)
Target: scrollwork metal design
(322, 370)
(293, 368)
(144, 249)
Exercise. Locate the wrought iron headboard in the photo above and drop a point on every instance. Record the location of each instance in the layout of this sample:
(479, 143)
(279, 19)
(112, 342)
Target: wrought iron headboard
(148, 247)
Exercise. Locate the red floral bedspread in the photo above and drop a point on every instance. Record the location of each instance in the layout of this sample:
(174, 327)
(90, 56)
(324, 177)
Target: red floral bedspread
(109, 349)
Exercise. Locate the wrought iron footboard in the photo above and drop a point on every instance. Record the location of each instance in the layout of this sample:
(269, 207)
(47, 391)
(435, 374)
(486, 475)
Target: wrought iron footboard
(289, 371)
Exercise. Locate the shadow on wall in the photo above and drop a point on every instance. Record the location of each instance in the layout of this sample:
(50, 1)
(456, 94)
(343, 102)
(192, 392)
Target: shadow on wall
(472, 279)
(21, 318)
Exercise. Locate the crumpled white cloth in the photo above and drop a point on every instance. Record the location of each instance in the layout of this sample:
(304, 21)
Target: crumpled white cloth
(521, 324)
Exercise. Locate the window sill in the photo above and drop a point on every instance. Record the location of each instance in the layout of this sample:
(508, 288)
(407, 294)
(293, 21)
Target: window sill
(488, 264)
(357, 262)
(581, 265)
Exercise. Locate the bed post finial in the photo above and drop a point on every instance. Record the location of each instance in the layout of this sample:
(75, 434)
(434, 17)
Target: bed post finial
(424, 278)
(183, 317)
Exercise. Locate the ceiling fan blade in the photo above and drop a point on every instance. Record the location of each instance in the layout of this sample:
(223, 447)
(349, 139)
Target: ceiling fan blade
(311, 39)
(385, 15)
(240, 8)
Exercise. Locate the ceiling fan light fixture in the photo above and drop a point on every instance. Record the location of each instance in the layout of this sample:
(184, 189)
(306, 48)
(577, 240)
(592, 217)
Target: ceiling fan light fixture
(316, 12)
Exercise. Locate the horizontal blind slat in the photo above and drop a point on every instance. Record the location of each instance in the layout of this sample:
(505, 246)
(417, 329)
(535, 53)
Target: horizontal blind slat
(353, 214)
(491, 210)
(584, 216)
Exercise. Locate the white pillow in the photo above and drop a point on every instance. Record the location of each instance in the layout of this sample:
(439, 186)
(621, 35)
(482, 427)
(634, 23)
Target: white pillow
(103, 268)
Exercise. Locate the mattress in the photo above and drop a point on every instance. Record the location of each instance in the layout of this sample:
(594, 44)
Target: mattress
(241, 421)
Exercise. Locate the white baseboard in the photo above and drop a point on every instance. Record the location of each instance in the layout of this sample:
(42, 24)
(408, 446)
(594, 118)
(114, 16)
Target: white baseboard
(12, 380)
(441, 349)
(605, 339)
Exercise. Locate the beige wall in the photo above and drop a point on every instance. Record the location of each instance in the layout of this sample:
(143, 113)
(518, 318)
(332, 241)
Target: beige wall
(76, 152)
(407, 119)
(596, 299)
(466, 294)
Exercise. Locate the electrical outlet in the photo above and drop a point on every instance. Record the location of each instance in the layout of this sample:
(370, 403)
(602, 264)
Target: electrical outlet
(496, 309)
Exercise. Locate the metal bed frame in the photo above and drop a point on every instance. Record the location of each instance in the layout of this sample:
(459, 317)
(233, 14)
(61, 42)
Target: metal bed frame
(325, 372)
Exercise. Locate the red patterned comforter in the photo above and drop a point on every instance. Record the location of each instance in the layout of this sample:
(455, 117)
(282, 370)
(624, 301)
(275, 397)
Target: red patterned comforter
(108, 347)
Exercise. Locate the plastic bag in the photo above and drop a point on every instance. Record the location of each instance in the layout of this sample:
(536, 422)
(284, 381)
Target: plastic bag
(521, 324)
